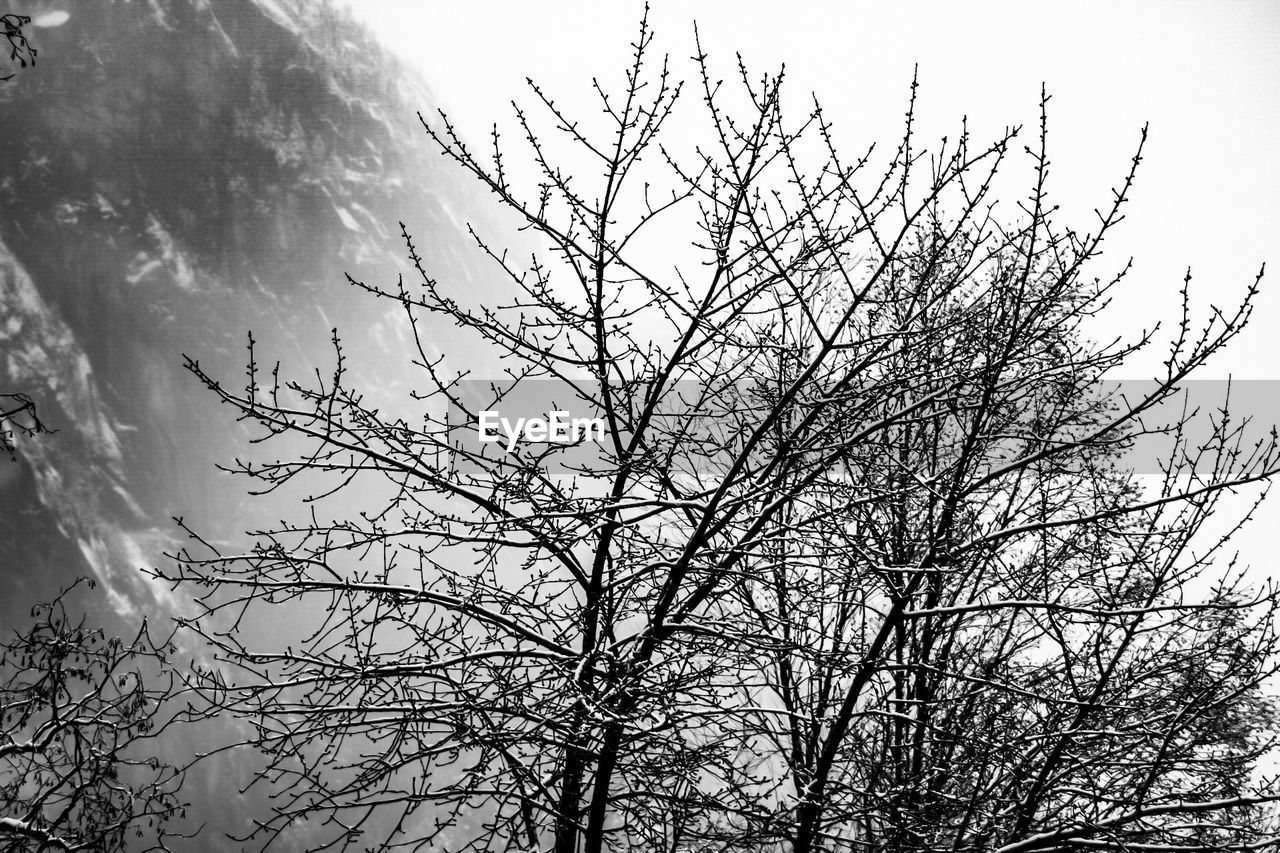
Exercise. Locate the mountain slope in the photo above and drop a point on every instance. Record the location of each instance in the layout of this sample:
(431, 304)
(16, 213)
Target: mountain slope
(174, 173)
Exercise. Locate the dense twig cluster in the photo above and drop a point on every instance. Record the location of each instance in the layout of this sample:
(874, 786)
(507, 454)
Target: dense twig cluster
(78, 711)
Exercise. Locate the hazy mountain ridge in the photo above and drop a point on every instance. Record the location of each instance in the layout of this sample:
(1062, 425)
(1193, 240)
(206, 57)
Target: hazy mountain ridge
(172, 174)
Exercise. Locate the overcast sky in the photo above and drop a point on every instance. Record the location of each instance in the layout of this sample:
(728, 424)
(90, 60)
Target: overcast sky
(1206, 75)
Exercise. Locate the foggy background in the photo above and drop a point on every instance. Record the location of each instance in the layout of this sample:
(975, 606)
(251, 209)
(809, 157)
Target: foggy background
(175, 173)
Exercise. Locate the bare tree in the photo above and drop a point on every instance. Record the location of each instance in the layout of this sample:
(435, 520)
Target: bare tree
(853, 565)
(78, 711)
(1061, 656)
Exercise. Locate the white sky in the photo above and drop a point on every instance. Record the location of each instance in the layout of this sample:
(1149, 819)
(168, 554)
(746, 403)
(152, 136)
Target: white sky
(1206, 75)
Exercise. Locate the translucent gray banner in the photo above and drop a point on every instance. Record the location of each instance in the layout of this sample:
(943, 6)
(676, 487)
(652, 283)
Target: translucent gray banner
(1132, 421)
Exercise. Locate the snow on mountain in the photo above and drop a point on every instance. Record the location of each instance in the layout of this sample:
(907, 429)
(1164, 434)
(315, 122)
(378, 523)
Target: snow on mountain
(174, 173)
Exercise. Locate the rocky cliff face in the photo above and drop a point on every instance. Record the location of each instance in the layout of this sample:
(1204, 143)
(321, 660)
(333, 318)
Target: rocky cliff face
(172, 174)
